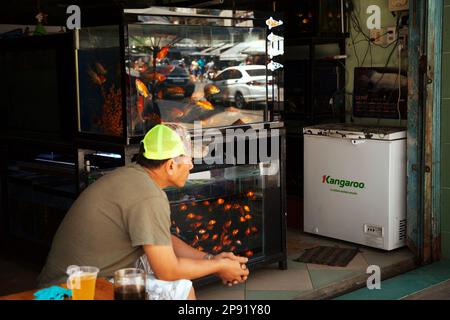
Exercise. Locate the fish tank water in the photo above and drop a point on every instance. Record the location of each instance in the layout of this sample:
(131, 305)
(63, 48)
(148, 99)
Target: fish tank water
(185, 68)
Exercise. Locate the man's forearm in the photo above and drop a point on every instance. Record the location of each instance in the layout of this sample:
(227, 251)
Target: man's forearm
(183, 250)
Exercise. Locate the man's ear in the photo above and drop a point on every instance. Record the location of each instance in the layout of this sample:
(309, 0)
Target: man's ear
(168, 166)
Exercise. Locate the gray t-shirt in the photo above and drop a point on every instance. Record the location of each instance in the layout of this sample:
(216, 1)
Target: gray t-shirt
(108, 224)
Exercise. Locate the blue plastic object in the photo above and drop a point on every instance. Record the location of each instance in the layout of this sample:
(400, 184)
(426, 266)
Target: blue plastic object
(53, 293)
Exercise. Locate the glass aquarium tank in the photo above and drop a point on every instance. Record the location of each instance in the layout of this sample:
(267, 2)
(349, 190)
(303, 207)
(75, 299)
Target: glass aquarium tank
(221, 210)
(174, 65)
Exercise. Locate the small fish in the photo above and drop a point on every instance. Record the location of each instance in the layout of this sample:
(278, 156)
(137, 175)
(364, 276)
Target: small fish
(175, 90)
(217, 248)
(248, 231)
(220, 201)
(212, 90)
(190, 216)
(249, 253)
(272, 23)
(212, 222)
(248, 217)
(204, 104)
(198, 217)
(214, 237)
(155, 76)
(162, 53)
(227, 242)
(228, 223)
(204, 237)
(100, 69)
(210, 228)
(242, 219)
(247, 208)
(176, 113)
(197, 225)
(254, 229)
(238, 242)
(206, 203)
(183, 207)
(96, 78)
(235, 232)
(227, 207)
(202, 231)
(236, 206)
(142, 88)
(250, 194)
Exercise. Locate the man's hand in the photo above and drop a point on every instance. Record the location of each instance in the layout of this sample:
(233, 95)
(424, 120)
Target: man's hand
(233, 257)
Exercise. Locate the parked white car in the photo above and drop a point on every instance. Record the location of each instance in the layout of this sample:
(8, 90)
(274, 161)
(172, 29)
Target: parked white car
(241, 85)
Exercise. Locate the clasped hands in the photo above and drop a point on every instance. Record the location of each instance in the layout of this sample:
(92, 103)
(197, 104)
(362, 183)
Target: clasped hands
(236, 270)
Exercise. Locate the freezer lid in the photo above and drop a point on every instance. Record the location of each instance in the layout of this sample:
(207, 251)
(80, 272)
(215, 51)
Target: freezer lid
(351, 131)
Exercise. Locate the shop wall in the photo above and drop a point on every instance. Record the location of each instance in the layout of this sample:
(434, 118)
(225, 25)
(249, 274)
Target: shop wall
(378, 57)
(445, 134)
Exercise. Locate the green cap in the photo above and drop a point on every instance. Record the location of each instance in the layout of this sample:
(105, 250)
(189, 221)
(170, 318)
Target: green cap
(162, 143)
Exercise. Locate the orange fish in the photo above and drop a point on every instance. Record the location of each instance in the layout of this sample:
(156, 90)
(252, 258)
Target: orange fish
(217, 248)
(155, 76)
(197, 224)
(227, 207)
(242, 219)
(190, 216)
(249, 253)
(175, 90)
(248, 217)
(100, 69)
(142, 88)
(183, 207)
(162, 53)
(206, 203)
(248, 231)
(212, 90)
(204, 237)
(250, 194)
(220, 201)
(212, 222)
(247, 208)
(238, 242)
(96, 78)
(235, 232)
(236, 206)
(228, 223)
(210, 227)
(140, 107)
(206, 105)
(214, 237)
(202, 231)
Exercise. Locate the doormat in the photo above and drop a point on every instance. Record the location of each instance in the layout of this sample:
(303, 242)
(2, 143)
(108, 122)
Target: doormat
(330, 256)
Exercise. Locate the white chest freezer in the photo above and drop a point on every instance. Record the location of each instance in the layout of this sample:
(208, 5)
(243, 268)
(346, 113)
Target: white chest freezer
(355, 184)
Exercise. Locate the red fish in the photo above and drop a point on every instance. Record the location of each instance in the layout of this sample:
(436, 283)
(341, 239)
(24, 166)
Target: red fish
(155, 76)
(96, 78)
(162, 53)
(206, 105)
(140, 107)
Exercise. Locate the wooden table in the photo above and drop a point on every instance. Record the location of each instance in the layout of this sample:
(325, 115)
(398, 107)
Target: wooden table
(103, 291)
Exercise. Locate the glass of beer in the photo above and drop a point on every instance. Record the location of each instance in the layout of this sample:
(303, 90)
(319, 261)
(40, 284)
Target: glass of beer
(129, 284)
(82, 282)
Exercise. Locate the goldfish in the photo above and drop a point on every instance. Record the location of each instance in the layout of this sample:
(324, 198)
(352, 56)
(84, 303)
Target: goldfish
(220, 201)
(206, 203)
(247, 208)
(250, 194)
(142, 88)
(242, 219)
(183, 207)
(217, 248)
(96, 78)
(190, 216)
(227, 207)
(204, 237)
(175, 90)
(248, 231)
(176, 113)
(249, 253)
(228, 223)
(212, 90)
(212, 222)
(235, 232)
(204, 104)
(100, 69)
(202, 231)
(155, 76)
(214, 237)
(197, 224)
(162, 53)
(140, 107)
(248, 217)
